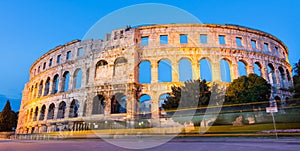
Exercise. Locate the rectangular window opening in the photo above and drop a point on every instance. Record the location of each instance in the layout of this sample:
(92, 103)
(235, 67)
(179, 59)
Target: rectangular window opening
(222, 39)
(58, 59)
(203, 39)
(238, 41)
(44, 66)
(266, 47)
(183, 39)
(68, 57)
(253, 44)
(163, 39)
(50, 62)
(145, 40)
(79, 52)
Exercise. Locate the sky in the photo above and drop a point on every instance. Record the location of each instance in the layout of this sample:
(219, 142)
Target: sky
(28, 29)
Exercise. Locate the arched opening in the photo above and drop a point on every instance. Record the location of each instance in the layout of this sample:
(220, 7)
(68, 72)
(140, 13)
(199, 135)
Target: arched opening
(55, 84)
(225, 70)
(51, 111)
(205, 70)
(42, 113)
(242, 68)
(84, 108)
(118, 103)
(40, 89)
(32, 93)
(66, 78)
(61, 110)
(288, 78)
(36, 111)
(119, 67)
(36, 90)
(162, 98)
(145, 72)
(282, 78)
(77, 78)
(30, 115)
(98, 104)
(257, 68)
(271, 74)
(101, 69)
(47, 86)
(164, 71)
(74, 106)
(185, 70)
(145, 106)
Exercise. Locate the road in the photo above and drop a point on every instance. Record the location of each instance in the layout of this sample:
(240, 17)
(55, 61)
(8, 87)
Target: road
(177, 144)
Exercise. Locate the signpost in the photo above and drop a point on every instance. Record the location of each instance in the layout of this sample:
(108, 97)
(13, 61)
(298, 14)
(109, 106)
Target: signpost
(273, 110)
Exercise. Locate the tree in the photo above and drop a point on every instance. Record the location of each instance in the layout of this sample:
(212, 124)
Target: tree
(296, 68)
(248, 89)
(8, 118)
(296, 79)
(192, 94)
(186, 99)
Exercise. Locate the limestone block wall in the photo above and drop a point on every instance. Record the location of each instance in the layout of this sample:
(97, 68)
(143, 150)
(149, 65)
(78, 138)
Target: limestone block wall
(96, 80)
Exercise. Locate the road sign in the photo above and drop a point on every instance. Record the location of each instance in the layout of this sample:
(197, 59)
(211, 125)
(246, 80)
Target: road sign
(271, 109)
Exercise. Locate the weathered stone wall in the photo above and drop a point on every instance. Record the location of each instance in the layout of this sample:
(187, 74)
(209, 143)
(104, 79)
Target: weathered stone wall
(112, 67)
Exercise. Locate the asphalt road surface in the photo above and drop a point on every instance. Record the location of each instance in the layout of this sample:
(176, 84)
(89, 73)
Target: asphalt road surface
(178, 144)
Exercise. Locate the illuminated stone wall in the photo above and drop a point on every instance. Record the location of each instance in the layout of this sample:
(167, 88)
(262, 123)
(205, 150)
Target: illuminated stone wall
(110, 71)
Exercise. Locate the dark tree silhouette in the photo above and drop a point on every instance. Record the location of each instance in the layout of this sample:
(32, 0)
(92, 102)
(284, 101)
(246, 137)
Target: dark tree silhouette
(248, 89)
(8, 118)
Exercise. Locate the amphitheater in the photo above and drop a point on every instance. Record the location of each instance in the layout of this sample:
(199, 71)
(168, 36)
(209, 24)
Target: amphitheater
(87, 84)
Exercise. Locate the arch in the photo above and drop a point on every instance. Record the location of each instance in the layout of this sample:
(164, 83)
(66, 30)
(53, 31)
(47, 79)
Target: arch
(257, 68)
(32, 92)
(271, 74)
(84, 108)
(30, 115)
(162, 98)
(242, 68)
(47, 86)
(40, 89)
(51, 111)
(98, 104)
(145, 72)
(74, 106)
(55, 84)
(77, 78)
(42, 112)
(101, 69)
(225, 70)
(282, 77)
(205, 69)
(118, 103)
(101, 63)
(61, 110)
(36, 90)
(65, 81)
(288, 75)
(164, 71)
(185, 70)
(35, 114)
(145, 106)
(119, 67)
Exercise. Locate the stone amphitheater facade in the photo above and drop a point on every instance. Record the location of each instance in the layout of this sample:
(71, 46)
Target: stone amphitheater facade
(80, 83)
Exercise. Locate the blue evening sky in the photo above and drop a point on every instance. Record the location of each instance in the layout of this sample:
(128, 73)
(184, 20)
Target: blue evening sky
(31, 28)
